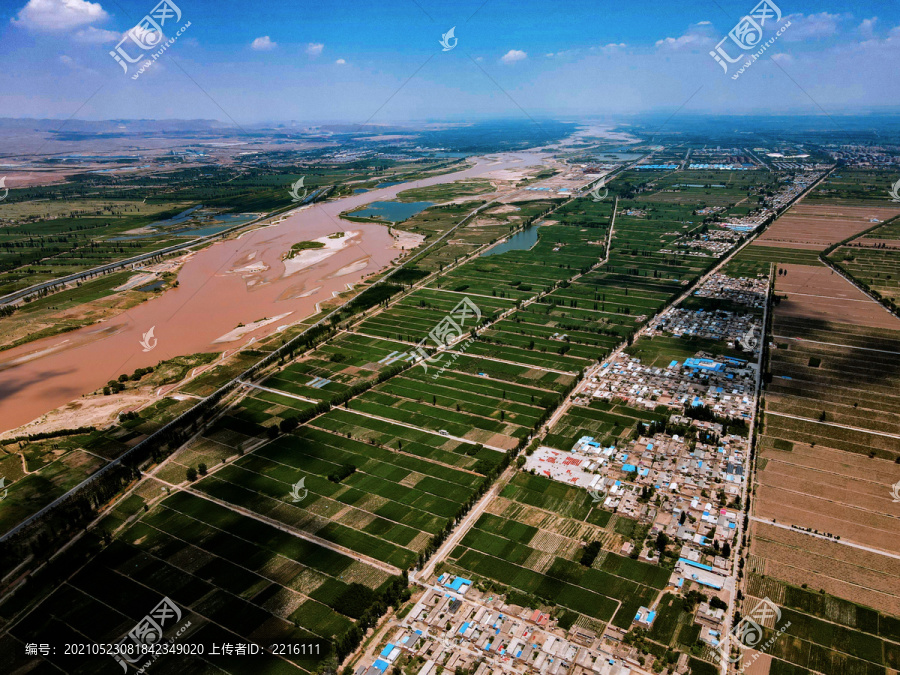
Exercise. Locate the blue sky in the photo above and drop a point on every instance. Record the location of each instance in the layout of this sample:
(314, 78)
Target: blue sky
(349, 60)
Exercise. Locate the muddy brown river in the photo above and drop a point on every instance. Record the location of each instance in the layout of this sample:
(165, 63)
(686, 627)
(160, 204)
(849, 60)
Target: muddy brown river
(238, 281)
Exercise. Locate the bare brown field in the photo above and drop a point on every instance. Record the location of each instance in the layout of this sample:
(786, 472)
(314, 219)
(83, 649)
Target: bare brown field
(887, 422)
(848, 521)
(759, 662)
(833, 487)
(860, 576)
(818, 293)
(848, 466)
(817, 226)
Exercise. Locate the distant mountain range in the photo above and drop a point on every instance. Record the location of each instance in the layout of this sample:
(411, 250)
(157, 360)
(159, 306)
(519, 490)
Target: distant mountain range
(110, 126)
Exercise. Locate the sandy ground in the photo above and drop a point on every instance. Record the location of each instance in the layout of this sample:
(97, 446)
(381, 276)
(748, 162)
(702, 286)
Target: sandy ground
(351, 268)
(136, 280)
(310, 257)
(407, 240)
(241, 331)
(505, 208)
(820, 293)
(89, 411)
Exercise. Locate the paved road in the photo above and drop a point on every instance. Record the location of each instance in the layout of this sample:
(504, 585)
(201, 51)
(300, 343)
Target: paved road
(465, 525)
(277, 391)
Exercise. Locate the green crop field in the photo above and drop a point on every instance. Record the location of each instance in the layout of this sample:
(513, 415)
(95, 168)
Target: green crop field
(830, 635)
(540, 563)
(230, 576)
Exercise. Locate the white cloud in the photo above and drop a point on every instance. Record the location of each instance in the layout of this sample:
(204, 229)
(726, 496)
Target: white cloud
(612, 47)
(696, 36)
(263, 44)
(72, 64)
(95, 36)
(340, 62)
(867, 27)
(59, 15)
(513, 55)
(314, 48)
(782, 57)
(812, 27)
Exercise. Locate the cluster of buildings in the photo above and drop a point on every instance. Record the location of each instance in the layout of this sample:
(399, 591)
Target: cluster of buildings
(714, 243)
(455, 626)
(722, 167)
(738, 328)
(751, 292)
(790, 189)
(724, 384)
(866, 155)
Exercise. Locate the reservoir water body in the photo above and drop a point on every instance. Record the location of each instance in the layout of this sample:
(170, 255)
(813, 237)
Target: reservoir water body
(396, 212)
(520, 241)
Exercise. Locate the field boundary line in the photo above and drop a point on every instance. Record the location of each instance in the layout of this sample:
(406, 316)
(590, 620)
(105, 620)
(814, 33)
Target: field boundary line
(279, 392)
(832, 424)
(842, 541)
(845, 505)
(778, 460)
(277, 524)
(833, 344)
(428, 431)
